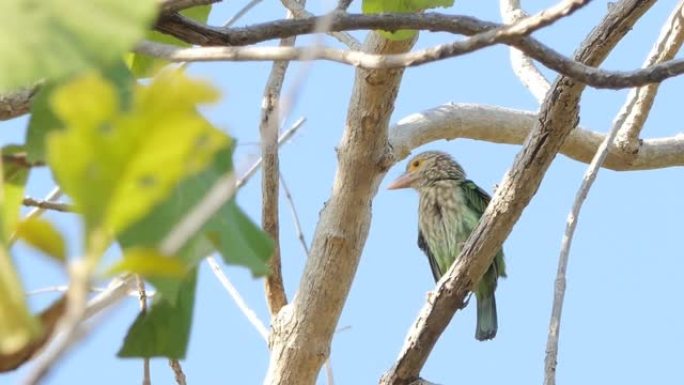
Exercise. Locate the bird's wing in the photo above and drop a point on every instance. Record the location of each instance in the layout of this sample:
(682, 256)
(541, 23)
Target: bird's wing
(422, 244)
(478, 199)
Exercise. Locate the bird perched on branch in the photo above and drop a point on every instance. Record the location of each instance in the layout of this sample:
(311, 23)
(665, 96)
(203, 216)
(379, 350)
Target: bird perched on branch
(449, 209)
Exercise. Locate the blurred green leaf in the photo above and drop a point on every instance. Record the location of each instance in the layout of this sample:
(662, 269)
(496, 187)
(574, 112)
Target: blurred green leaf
(40, 234)
(239, 240)
(122, 163)
(164, 330)
(401, 6)
(14, 180)
(148, 263)
(143, 65)
(18, 327)
(43, 121)
(235, 236)
(54, 38)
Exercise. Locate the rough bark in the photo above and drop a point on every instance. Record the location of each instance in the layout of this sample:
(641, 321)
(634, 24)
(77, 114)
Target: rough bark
(303, 330)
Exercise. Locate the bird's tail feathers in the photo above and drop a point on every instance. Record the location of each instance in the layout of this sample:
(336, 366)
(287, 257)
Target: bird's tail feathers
(486, 317)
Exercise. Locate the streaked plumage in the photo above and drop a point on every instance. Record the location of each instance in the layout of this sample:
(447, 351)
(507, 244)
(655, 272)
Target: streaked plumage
(449, 209)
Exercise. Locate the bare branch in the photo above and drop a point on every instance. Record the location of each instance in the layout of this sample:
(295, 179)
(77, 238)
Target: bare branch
(47, 205)
(142, 299)
(551, 358)
(268, 129)
(640, 100)
(503, 125)
(523, 66)
(557, 118)
(284, 137)
(52, 196)
(295, 217)
(484, 34)
(239, 301)
(586, 74)
(16, 103)
(20, 159)
(178, 372)
(241, 13)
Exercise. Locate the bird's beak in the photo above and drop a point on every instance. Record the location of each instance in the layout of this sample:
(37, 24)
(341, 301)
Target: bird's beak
(404, 181)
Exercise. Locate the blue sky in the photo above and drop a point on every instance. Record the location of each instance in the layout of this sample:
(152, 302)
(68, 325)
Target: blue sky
(622, 311)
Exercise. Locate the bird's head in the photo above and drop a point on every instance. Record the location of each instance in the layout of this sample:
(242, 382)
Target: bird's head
(426, 168)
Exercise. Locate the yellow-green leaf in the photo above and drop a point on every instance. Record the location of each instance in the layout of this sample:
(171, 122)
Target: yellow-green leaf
(149, 263)
(401, 6)
(116, 164)
(14, 178)
(40, 234)
(18, 326)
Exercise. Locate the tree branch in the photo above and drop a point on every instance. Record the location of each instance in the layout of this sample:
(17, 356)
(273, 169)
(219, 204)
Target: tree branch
(553, 60)
(503, 125)
(523, 66)
(237, 298)
(641, 99)
(47, 205)
(557, 118)
(268, 129)
(301, 334)
(16, 103)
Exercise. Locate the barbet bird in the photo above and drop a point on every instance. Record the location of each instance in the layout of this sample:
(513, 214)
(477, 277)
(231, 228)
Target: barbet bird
(449, 209)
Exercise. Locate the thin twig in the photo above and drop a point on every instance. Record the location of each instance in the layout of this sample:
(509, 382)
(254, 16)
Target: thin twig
(268, 130)
(243, 11)
(69, 328)
(330, 378)
(93, 289)
(47, 205)
(666, 47)
(343, 37)
(550, 360)
(239, 301)
(142, 299)
(284, 137)
(295, 216)
(633, 107)
(178, 372)
(52, 196)
(20, 159)
(523, 66)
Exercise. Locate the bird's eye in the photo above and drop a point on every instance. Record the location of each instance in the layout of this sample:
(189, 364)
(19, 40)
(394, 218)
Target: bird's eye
(415, 164)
